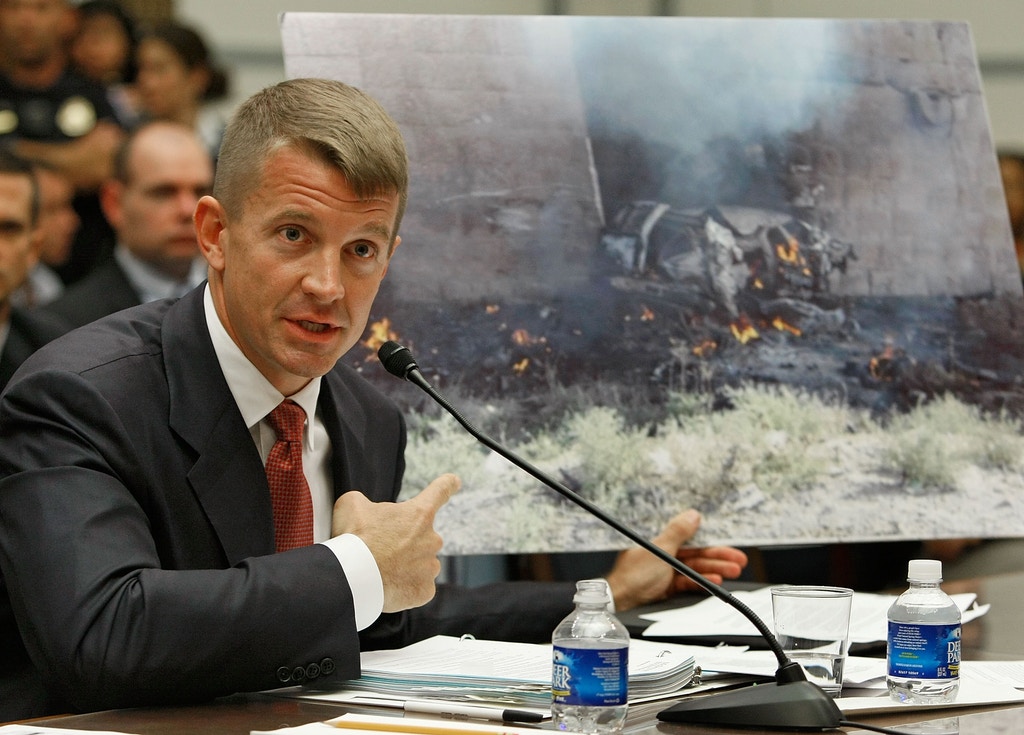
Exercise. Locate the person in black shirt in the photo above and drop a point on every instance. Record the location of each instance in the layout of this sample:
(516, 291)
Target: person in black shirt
(51, 114)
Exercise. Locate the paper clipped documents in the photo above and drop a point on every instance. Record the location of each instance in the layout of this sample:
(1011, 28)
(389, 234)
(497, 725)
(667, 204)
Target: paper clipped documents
(711, 617)
(504, 673)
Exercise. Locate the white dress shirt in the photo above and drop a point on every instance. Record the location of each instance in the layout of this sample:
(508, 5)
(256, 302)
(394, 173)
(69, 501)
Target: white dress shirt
(256, 398)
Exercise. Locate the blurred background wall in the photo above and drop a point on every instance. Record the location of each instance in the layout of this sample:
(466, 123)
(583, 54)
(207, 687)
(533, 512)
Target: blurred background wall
(246, 39)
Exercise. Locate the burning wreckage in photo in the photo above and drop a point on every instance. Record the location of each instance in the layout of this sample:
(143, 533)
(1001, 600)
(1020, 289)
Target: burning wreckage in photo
(726, 262)
(752, 291)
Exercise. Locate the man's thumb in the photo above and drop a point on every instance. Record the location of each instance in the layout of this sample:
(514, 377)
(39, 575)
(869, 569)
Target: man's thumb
(440, 491)
(679, 530)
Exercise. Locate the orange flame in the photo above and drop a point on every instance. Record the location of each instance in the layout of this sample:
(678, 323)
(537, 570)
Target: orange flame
(705, 348)
(380, 332)
(790, 253)
(878, 365)
(780, 324)
(647, 315)
(743, 330)
(523, 338)
(493, 308)
(520, 367)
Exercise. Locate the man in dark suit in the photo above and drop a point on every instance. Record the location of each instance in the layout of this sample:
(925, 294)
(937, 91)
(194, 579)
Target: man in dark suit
(21, 332)
(160, 172)
(138, 528)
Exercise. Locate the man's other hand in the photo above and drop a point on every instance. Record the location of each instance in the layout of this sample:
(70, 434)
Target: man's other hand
(401, 537)
(639, 577)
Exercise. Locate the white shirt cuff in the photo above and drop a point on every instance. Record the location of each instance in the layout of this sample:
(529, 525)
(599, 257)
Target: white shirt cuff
(363, 577)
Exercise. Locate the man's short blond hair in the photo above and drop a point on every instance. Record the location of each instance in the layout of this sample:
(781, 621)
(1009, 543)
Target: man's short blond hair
(346, 127)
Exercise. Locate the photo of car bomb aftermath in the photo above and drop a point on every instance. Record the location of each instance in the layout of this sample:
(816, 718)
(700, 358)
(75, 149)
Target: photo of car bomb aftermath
(758, 267)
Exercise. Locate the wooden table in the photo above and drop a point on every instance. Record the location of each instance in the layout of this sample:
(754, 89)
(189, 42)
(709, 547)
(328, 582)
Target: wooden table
(241, 714)
(999, 635)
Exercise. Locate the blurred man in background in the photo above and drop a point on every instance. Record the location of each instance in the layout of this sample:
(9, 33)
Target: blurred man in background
(21, 333)
(160, 172)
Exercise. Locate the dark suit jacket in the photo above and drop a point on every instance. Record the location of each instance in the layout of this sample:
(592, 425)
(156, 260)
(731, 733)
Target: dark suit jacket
(136, 538)
(103, 291)
(29, 331)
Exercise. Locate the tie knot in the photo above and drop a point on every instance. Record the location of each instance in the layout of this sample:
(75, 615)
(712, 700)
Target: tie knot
(287, 421)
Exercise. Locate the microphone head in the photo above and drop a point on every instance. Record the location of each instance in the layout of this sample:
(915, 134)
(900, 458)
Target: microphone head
(396, 359)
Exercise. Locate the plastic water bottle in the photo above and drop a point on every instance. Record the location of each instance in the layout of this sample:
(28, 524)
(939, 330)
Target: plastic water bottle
(590, 665)
(923, 646)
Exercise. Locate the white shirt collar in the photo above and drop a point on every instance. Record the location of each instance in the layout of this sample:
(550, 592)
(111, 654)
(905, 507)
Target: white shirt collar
(253, 393)
(152, 284)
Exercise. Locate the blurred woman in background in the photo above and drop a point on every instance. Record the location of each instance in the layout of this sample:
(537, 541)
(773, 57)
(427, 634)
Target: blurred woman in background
(103, 49)
(177, 79)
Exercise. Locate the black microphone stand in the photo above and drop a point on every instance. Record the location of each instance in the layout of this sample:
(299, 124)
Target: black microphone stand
(790, 702)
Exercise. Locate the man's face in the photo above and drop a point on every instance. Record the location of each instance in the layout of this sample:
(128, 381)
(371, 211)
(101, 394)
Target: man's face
(168, 170)
(17, 245)
(32, 31)
(58, 220)
(295, 273)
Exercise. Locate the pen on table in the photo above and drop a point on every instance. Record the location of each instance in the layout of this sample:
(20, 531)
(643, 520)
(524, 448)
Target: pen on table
(471, 711)
(419, 727)
(453, 711)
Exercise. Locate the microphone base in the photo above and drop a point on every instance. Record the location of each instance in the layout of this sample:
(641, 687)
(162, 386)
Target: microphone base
(797, 705)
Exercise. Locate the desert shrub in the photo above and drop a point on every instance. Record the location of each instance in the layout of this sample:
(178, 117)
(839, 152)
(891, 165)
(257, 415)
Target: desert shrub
(773, 431)
(922, 460)
(934, 442)
(439, 445)
(612, 458)
(684, 406)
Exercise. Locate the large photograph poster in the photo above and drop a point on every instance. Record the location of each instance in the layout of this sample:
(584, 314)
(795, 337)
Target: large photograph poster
(758, 267)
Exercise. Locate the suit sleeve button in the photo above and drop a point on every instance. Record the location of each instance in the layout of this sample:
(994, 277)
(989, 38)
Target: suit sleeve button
(326, 666)
(298, 674)
(313, 671)
(284, 675)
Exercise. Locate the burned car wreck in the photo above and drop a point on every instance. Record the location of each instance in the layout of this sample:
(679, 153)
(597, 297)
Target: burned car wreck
(719, 259)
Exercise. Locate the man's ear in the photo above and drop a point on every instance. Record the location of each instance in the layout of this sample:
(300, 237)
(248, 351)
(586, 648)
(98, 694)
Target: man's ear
(211, 231)
(110, 195)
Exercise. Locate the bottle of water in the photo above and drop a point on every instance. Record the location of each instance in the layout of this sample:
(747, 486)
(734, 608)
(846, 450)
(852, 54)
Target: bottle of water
(590, 666)
(923, 646)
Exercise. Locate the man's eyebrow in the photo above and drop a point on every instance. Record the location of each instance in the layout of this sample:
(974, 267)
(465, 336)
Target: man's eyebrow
(379, 228)
(296, 214)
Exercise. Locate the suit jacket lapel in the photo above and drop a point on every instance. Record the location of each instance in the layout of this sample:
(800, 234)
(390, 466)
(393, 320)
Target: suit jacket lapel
(227, 477)
(345, 422)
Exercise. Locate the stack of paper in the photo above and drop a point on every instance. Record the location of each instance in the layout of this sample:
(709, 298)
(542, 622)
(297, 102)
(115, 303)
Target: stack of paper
(510, 674)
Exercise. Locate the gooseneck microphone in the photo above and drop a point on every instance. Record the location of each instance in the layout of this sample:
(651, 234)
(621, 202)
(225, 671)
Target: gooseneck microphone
(790, 702)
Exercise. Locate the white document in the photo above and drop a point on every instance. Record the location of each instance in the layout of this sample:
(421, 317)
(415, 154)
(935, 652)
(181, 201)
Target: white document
(446, 658)
(981, 683)
(513, 675)
(864, 689)
(712, 617)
